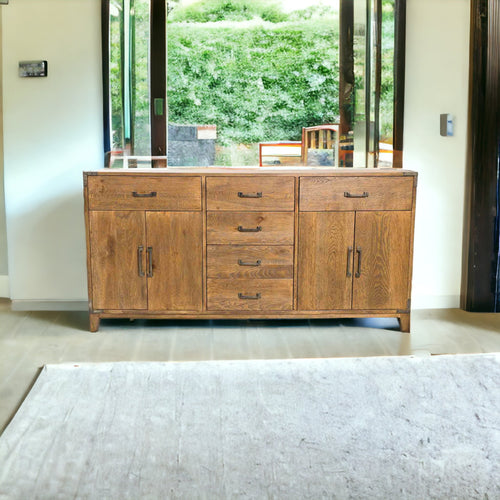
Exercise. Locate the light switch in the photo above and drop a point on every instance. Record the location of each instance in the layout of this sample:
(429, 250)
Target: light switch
(446, 124)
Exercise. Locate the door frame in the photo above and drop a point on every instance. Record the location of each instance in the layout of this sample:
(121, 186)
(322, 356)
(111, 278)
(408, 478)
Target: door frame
(481, 258)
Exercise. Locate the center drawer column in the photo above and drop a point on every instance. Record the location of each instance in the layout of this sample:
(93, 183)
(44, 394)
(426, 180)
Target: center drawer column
(250, 237)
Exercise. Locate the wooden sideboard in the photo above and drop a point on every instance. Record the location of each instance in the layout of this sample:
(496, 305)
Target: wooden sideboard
(249, 243)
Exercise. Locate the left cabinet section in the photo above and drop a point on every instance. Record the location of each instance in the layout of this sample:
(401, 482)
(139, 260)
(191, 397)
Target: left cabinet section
(145, 245)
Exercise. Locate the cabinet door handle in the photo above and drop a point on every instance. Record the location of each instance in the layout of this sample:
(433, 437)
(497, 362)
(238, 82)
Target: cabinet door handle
(358, 272)
(249, 195)
(349, 195)
(242, 229)
(150, 262)
(152, 194)
(252, 264)
(349, 255)
(249, 297)
(140, 249)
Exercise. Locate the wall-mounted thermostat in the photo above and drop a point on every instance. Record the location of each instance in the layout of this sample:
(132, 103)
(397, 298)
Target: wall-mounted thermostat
(32, 68)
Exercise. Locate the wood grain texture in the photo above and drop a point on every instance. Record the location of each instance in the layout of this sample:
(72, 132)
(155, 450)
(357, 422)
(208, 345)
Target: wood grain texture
(276, 228)
(115, 237)
(275, 295)
(323, 270)
(249, 314)
(264, 262)
(274, 171)
(404, 322)
(201, 262)
(94, 321)
(384, 241)
(116, 193)
(176, 242)
(87, 240)
(327, 193)
(277, 193)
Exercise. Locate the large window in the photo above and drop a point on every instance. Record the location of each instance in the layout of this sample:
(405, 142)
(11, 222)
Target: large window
(245, 75)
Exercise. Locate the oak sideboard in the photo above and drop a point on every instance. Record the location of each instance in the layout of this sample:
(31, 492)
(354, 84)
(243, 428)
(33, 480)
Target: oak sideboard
(239, 243)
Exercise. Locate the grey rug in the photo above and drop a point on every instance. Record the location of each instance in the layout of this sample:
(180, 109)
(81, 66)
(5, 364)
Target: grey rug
(391, 427)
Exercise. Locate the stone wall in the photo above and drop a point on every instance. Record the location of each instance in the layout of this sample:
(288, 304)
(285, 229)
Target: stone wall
(191, 145)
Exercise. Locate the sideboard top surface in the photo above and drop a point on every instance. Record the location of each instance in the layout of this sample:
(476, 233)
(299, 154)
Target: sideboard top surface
(217, 171)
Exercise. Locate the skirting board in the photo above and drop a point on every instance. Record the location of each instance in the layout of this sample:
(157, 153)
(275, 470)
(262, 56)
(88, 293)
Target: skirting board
(49, 305)
(4, 287)
(435, 301)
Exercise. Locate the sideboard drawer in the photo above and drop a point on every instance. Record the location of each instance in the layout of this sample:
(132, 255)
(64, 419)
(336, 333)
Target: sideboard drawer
(251, 193)
(237, 262)
(120, 192)
(250, 228)
(249, 295)
(319, 194)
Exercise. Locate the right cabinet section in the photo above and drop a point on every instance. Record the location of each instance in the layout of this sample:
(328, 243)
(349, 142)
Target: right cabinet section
(355, 243)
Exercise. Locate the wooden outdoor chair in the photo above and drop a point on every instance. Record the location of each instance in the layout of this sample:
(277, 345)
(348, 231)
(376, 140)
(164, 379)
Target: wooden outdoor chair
(320, 145)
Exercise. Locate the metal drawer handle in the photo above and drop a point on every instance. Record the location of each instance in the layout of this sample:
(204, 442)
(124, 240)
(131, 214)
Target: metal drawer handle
(249, 297)
(349, 255)
(249, 195)
(152, 194)
(242, 229)
(358, 272)
(139, 260)
(257, 263)
(150, 262)
(349, 195)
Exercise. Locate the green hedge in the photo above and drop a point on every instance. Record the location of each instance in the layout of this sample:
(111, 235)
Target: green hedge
(256, 82)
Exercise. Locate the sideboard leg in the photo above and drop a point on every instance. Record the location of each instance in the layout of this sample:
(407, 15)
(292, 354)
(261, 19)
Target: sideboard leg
(94, 322)
(404, 322)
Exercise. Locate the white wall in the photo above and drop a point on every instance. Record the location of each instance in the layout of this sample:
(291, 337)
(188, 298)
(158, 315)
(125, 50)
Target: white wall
(437, 62)
(4, 279)
(52, 132)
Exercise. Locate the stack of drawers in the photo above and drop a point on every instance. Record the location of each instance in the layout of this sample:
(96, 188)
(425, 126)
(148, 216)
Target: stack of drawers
(250, 238)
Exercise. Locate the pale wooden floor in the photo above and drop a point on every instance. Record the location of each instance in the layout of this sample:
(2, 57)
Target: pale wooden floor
(29, 340)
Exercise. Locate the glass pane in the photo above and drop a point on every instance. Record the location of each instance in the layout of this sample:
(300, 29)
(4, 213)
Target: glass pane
(115, 74)
(129, 34)
(255, 81)
(361, 49)
(246, 76)
(387, 86)
(140, 95)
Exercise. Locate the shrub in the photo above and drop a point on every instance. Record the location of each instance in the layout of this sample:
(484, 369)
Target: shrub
(257, 82)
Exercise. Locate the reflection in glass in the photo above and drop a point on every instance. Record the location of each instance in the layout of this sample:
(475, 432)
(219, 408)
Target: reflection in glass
(258, 71)
(129, 33)
(258, 81)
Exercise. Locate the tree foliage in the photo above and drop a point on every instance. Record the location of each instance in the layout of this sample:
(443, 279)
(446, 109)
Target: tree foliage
(256, 72)
(257, 82)
(205, 11)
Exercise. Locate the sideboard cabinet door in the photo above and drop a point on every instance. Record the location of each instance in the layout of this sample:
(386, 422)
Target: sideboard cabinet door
(146, 260)
(325, 260)
(117, 245)
(382, 260)
(175, 240)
